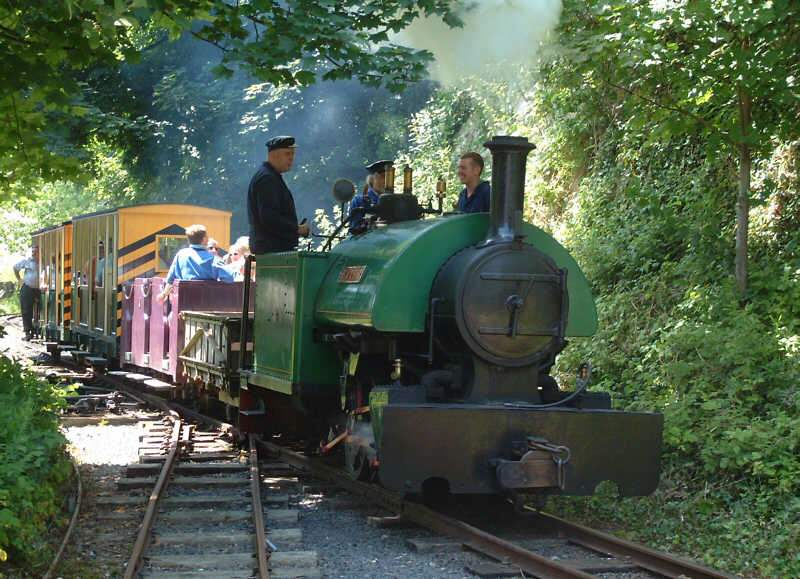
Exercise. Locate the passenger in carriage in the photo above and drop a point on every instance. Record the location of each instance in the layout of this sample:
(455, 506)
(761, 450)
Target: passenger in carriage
(237, 254)
(195, 262)
(213, 247)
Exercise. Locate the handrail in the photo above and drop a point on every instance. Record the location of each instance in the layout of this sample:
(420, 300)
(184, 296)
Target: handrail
(248, 268)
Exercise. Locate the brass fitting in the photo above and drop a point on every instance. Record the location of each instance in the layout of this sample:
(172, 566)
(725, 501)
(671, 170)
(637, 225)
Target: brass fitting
(441, 190)
(389, 179)
(407, 180)
(397, 373)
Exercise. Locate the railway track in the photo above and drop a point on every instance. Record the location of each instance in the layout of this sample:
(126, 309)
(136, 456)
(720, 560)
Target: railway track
(517, 555)
(205, 513)
(526, 550)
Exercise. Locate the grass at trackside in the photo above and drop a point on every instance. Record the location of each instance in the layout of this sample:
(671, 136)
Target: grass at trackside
(9, 304)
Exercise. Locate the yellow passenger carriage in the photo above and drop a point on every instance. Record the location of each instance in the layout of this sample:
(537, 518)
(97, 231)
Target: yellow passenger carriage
(117, 245)
(55, 280)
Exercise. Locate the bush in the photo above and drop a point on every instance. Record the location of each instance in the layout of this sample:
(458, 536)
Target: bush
(33, 465)
(675, 337)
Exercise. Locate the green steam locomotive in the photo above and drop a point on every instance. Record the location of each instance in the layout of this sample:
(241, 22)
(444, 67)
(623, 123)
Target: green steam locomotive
(423, 349)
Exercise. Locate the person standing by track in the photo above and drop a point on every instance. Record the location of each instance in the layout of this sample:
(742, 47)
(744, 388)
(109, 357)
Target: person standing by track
(270, 205)
(29, 293)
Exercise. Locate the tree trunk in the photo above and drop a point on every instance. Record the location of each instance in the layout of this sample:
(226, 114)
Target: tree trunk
(743, 197)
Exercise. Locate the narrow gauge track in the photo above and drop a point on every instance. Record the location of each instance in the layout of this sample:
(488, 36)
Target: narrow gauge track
(608, 554)
(204, 515)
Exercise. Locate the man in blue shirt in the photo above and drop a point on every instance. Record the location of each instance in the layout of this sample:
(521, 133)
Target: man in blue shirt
(476, 195)
(195, 262)
(29, 293)
(376, 185)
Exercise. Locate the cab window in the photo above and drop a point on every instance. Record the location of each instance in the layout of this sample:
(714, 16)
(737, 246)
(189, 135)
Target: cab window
(100, 265)
(166, 248)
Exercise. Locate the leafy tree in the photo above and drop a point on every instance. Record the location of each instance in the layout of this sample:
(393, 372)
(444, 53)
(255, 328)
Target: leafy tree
(725, 71)
(47, 46)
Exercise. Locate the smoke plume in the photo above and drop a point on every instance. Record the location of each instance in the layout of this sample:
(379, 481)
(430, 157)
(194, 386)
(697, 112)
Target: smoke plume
(497, 37)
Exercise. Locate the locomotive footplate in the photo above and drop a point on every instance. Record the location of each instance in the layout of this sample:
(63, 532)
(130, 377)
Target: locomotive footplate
(471, 446)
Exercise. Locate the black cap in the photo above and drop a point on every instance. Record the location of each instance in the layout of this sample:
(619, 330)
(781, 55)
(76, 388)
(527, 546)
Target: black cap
(283, 142)
(379, 166)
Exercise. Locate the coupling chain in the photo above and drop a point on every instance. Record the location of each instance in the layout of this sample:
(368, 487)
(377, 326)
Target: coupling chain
(560, 455)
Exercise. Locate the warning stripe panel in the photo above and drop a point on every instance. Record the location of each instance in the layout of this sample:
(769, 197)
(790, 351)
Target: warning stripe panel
(128, 270)
(173, 229)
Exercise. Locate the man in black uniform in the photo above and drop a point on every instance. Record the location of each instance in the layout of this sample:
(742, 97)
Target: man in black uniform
(270, 205)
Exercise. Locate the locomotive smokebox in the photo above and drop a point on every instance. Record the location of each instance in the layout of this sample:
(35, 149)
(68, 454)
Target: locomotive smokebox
(509, 155)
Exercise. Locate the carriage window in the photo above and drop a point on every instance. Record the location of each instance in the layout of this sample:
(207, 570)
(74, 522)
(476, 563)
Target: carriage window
(52, 274)
(167, 246)
(100, 265)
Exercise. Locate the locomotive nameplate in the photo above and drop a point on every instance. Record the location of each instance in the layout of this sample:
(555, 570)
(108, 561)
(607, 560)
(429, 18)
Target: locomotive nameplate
(352, 274)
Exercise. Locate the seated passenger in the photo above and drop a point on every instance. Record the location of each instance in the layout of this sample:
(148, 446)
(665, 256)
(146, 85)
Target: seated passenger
(213, 247)
(237, 254)
(476, 195)
(195, 262)
(376, 184)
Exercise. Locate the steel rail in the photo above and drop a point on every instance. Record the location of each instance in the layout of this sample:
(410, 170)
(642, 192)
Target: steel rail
(258, 512)
(660, 563)
(472, 537)
(73, 520)
(143, 538)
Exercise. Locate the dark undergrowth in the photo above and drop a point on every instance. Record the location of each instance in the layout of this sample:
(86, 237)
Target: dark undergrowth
(34, 471)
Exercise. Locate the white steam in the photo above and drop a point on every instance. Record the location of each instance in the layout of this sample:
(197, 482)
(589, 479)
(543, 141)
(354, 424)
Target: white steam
(497, 37)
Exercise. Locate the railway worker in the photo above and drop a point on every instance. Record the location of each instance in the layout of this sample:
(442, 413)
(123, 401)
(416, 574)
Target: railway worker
(195, 262)
(29, 292)
(270, 205)
(476, 195)
(376, 185)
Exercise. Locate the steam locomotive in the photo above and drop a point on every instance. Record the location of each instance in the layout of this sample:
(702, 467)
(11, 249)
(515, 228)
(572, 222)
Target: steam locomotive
(420, 350)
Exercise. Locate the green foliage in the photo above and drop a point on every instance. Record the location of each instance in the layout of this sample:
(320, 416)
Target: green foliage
(685, 66)
(52, 51)
(33, 465)
(9, 304)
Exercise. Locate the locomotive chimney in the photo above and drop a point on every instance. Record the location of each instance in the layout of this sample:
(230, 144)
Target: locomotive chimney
(508, 187)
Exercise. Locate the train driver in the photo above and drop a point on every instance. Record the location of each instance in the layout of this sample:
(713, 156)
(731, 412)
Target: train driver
(376, 185)
(270, 205)
(476, 195)
(195, 262)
